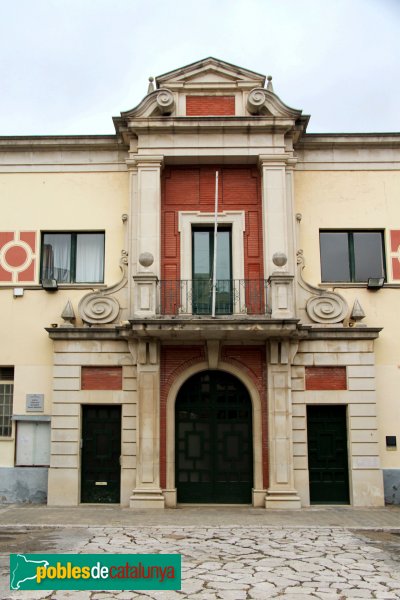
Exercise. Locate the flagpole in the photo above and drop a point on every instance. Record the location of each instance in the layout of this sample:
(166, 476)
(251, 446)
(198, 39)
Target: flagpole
(214, 279)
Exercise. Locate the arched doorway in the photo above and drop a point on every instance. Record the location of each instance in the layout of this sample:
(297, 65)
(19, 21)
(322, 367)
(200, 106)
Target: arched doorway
(213, 440)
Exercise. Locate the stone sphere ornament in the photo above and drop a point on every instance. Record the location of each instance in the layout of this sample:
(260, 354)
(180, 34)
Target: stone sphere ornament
(279, 259)
(146, 259)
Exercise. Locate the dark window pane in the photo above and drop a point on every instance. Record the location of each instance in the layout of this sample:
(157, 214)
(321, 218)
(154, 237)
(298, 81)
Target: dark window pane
(6, 399)
(335, 264)
(201, 254)
(56, 257)
(223, 255)
(368, 256)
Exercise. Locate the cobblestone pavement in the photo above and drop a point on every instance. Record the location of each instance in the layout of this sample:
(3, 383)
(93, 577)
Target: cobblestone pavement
(238, 563)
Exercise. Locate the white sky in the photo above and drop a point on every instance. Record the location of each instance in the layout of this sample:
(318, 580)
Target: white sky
(68, 66)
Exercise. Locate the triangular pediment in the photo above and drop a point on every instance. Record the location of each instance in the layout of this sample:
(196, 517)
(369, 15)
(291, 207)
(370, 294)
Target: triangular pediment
(210, 72)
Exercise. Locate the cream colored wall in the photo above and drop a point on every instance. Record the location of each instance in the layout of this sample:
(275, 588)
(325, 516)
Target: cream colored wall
(68, 201)
(52, 201)
(367, 199)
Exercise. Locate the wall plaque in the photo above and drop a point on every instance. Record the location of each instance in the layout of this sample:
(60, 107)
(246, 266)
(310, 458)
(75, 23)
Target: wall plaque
(34, 402)
(366, 462)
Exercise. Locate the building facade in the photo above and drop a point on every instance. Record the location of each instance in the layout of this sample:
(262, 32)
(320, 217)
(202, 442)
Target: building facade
(131, 374)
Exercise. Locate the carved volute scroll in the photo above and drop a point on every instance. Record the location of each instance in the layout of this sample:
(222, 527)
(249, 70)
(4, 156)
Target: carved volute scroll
(261, 101)
(322, 306)
(165, 102)
(101, 308)
(255, 101)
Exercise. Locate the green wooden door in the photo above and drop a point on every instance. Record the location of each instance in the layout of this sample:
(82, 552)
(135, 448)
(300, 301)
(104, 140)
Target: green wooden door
(101, 450)
(213, 440)
(327, 454)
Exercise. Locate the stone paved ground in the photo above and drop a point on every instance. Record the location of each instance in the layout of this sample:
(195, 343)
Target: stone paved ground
(238, 563)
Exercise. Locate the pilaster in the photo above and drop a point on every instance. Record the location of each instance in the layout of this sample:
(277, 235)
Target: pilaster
(145, 222)
(278, 225)
(281, 492)
(274, 207)
(147, 492)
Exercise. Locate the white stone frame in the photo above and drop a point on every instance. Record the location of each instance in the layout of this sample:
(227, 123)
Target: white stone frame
(170, 491)
(233, 218)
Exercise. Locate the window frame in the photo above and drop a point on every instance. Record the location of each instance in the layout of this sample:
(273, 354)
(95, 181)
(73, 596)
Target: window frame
(74, 242)
(6, 381)
(351, 255)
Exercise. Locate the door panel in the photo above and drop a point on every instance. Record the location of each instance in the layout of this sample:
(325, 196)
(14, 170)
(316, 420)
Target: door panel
(101, 451)
(214, 445)
(327, 454)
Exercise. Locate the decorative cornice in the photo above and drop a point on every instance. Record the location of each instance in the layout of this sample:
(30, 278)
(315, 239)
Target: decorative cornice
(133, 162)
(183, 74)
(61, 142)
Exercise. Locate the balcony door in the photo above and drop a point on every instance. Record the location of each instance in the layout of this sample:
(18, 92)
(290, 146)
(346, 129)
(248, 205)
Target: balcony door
(203, 258)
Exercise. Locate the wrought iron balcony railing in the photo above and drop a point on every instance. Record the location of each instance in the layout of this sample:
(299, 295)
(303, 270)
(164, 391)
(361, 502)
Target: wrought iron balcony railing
(233, 297)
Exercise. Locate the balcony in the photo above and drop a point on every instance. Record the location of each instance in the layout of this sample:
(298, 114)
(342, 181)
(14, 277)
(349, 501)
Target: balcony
(194, 297)
(181, 310)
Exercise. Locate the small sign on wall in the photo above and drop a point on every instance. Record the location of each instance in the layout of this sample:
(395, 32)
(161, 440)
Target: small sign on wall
(34, 402)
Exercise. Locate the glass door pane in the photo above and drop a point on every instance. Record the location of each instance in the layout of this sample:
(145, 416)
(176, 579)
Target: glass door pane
(203, 256)
(202, 272)
(223, 304)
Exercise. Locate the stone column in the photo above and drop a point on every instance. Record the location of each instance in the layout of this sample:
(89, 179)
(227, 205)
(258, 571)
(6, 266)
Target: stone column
(278, 233)
(147, 492)
(281, 492)
(145, 222)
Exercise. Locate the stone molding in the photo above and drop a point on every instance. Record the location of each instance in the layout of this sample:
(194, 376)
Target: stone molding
(100, 308)
(320, 305)
(263, 102)
(159, 102)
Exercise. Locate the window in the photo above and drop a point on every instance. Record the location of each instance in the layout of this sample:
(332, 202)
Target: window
(73, 257)
(6, 400)
(203, 257)
(351, 256)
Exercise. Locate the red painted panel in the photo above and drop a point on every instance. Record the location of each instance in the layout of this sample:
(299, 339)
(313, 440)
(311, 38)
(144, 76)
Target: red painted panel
(28, 274)
(101, 378)
(6, 236)
(395, 239)
(5, 276)
(326, 378)
(15, 256)
(203, 106)
(396, 268)
(30, 238)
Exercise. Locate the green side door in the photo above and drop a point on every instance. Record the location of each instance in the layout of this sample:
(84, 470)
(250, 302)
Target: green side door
(100, 454)
(327, 454)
